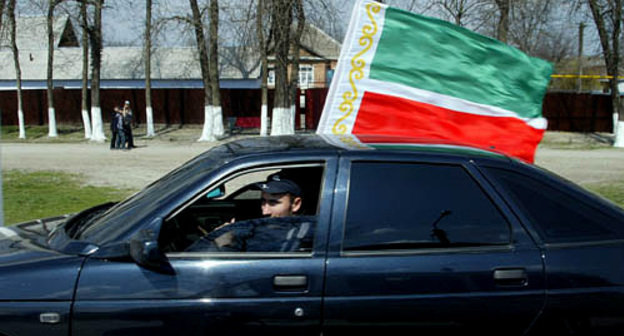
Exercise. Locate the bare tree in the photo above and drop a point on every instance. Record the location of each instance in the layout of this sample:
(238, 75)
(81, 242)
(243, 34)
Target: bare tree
(18, 71)
(530, 24)
(281, 22)
(465, 13)
(294, 77)
(262, 45)
(95, 35)
(149, 115)
(240, 26)
(607, 16)
(217, 114)
(502, 28)
(328, 15)
(50, 75)
(208, 133)
(84, 25)
(2, 4)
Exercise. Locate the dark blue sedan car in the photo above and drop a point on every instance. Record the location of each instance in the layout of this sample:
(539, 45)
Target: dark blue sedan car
(394, 237)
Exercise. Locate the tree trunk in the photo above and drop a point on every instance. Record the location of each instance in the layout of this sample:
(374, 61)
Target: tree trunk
(2, 4)
(281, 116)
(50, 75)
(18, 71)
(611, 54)
(264, 68)
(96, 57)
(502, 28)
(149, 114)
(217, 114)
(208, 130)
(294, 79)
(84, 104)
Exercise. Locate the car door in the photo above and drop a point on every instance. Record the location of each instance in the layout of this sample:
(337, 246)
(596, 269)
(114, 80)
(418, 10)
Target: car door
(421, 246)
(211, 292)
(582, 238)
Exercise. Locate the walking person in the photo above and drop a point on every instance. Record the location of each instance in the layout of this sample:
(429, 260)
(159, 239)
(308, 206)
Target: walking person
(120, 139)
(127, 124)
(113, 128)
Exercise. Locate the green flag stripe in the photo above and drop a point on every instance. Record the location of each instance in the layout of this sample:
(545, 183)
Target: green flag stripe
(435, 55)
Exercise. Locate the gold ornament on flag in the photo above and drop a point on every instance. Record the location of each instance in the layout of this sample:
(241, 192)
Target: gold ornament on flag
(357, 68)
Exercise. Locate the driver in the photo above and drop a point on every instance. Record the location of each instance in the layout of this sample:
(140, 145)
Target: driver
(280, 200)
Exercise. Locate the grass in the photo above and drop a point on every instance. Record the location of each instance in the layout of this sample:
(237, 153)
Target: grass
(39, 134)
(32, 195)
(570, 140)
(68, 133)
(612, 191)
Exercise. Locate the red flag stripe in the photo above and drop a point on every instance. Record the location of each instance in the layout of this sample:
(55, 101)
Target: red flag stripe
(382, 115)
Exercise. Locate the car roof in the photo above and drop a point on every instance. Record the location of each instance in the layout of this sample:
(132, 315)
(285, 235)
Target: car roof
(348, 143)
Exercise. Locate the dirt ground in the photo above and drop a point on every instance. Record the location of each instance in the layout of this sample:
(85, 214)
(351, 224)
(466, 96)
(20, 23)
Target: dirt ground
(580, 158)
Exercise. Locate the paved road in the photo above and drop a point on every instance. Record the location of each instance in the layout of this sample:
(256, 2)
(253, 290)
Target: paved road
(135, 169)
(100, 165)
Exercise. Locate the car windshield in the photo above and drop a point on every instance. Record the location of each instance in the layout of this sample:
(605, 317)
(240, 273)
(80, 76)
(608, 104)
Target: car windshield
(120, 219)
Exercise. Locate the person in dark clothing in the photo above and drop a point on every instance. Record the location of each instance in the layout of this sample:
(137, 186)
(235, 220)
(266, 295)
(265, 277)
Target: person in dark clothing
(127, 124)
(113, 128)
(120, 140)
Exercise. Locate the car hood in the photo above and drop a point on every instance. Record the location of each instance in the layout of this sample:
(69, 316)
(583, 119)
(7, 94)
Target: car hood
(32, 271)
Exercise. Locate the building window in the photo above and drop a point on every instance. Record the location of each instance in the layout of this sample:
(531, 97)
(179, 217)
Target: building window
(306, 75)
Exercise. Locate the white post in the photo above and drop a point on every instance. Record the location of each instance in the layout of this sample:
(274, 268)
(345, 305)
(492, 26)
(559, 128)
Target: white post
(52, 123)
(149, 114)
(97, 128)
(264, 116)
(207, 134)
(86, 123)
(217, 119)
(20, 120)
(619, 134)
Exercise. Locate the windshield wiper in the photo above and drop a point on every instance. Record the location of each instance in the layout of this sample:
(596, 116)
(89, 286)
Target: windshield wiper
(76, 224)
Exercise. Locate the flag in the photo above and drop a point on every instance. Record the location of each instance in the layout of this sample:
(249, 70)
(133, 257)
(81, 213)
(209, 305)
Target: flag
(409, 75)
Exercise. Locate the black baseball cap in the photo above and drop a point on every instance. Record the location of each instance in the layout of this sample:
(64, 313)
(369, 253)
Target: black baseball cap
(276, 184)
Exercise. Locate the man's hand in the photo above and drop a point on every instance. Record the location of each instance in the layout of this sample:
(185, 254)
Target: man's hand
(225, 224)
(224, 239)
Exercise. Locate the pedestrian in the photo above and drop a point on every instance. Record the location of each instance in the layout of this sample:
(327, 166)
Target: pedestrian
(120, 138)
(113, 128)
(127, 124)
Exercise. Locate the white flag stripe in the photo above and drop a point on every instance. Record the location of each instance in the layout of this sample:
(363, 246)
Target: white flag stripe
(354, 43)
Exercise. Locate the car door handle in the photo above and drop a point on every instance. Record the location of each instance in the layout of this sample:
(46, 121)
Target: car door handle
(290, 282)
(511, 277)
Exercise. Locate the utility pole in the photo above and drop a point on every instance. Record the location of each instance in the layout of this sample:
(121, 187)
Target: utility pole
(579, 81)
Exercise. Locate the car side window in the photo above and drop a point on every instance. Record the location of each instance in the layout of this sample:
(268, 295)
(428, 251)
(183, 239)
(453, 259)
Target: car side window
(229, 216)
(406, 206)
(558, 216)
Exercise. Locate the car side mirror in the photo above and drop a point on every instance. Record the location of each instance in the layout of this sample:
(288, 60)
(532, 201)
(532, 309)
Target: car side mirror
(145, 252)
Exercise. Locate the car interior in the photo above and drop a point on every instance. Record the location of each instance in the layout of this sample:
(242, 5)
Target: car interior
(236, 198)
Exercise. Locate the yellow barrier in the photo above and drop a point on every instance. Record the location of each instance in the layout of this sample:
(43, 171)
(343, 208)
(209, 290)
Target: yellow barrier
(585, 76)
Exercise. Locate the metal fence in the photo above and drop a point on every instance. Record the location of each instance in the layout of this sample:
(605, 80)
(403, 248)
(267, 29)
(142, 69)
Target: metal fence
(565, 111)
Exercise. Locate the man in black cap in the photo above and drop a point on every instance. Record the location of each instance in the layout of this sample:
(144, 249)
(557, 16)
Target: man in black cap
(280, 197)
